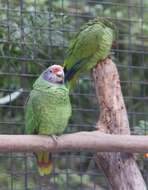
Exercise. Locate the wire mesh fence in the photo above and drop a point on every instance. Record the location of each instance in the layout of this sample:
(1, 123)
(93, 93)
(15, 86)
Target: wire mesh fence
(35, 34)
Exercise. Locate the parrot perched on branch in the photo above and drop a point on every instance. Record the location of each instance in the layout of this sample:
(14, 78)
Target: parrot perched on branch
(90, 45)
(48, 110)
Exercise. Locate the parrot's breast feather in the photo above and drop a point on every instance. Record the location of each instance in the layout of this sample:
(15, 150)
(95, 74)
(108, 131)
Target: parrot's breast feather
(48, 110)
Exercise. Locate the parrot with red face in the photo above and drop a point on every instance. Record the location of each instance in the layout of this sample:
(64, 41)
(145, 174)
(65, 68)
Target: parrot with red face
(48, 110)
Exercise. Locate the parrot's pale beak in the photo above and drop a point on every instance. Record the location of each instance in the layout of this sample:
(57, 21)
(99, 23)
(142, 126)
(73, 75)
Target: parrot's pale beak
(60, 74)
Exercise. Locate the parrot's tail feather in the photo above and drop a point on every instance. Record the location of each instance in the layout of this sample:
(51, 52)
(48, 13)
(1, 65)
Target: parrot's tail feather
(74, 69)
(44, 168)
(44, 163)
(71, 72)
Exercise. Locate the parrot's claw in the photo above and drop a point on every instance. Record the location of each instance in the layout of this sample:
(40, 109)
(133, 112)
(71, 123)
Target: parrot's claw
(55, 138)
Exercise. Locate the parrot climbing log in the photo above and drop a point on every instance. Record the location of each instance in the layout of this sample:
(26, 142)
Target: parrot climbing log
(48, 110)
(90, 45)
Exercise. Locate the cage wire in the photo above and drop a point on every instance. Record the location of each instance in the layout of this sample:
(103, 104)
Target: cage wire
(35, 34)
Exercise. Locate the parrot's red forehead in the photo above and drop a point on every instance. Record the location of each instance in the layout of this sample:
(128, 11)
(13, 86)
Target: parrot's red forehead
(56, 68)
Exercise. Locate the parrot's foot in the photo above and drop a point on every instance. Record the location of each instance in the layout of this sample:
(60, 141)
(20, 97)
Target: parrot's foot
(55, 138)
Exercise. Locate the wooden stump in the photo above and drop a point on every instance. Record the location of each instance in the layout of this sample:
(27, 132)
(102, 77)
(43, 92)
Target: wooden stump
(120, 169)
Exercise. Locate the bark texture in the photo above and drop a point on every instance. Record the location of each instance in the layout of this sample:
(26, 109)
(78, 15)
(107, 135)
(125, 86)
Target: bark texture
(120, 169)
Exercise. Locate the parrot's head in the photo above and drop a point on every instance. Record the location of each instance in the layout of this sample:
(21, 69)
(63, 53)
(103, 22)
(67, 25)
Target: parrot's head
(54, 74)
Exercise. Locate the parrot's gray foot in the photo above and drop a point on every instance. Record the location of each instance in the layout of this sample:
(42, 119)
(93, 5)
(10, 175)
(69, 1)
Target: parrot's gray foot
(55, 138)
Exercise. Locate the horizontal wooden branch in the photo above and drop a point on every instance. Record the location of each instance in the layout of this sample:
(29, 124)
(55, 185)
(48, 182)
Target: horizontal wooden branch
(86, 141)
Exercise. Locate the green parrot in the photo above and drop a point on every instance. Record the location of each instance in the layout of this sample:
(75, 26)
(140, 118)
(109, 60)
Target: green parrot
(90, 45)
(48, 110)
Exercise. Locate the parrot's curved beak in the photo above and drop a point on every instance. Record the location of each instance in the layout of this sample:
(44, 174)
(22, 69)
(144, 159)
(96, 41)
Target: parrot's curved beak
(60, 74)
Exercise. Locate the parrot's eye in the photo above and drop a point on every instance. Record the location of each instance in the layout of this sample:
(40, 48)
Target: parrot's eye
(50, 71)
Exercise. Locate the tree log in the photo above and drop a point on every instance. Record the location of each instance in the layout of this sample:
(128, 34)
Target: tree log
(80, 141)
(120, 169)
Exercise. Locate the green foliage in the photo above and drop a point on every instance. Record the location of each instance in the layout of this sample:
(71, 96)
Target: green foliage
(141, 128)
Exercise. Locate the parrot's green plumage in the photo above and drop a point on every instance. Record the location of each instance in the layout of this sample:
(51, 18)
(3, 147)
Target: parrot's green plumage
(90, 45)
(48, 110)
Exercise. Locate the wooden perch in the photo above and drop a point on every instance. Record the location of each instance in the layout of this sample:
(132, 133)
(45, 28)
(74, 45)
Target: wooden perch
(120, 169)
(88, 141)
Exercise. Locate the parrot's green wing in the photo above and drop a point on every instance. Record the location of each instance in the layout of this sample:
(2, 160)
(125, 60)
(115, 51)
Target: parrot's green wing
(90, 45)
(30, 120)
